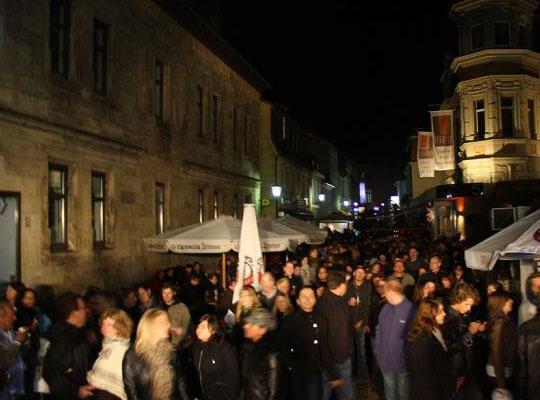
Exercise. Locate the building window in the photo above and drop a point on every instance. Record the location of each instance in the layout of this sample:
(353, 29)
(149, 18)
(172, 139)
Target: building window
(200, 111)
(160, 207)
(215, 118)
(100, 57)
(235, 129)
(246, 133)
(98, 209)
(59, 39)
(158, 90)
(502, 33)
(216, 204)
(479, 119)
(58, 200)
(477, 36)
(532, 119)
(201, 206)
(507, 117)
(235, 206)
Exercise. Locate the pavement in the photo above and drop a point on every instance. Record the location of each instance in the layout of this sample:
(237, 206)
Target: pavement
(363, 389)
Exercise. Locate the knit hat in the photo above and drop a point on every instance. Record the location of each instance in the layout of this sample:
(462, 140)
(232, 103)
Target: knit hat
(262, 318)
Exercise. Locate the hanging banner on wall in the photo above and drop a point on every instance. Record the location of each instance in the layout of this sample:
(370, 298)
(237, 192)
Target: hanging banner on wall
(442, 126)
(426, 161)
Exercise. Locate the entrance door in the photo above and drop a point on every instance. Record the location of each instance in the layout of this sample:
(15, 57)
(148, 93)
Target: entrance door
(9, 237)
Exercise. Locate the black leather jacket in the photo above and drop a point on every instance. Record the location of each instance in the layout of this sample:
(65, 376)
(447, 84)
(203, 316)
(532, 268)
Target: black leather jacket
(261, 372)
(137, 380)
(529, 357)
(459, 342)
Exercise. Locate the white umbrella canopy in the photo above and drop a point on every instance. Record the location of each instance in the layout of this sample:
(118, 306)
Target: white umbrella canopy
(212, 237)
(315, 235)
(519, 241)
(295, 236)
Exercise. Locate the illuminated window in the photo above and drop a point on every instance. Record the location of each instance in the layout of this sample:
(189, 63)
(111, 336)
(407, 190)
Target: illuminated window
(98, 209)
(58, 200)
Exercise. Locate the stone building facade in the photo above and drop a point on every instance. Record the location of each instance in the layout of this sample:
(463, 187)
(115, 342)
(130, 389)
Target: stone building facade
(119, 120)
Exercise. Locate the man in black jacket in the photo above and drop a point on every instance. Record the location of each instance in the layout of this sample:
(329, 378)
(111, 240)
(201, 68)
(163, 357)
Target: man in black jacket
(70, 355)
(459, 338)
(359, 294)
(334, 307)
(529, 357)
(261, 369)
(304, 346)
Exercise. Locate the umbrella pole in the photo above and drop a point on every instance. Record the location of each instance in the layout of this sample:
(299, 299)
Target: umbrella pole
(224, 270)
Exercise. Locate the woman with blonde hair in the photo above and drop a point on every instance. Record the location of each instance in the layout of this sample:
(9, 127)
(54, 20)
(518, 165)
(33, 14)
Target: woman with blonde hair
(247, 301)
(148, 370)
(429, 354)
(106, 374)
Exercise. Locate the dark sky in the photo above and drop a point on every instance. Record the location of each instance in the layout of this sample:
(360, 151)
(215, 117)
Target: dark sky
(365, 75)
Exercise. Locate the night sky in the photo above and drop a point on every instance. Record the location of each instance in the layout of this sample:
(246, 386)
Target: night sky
(363, 76)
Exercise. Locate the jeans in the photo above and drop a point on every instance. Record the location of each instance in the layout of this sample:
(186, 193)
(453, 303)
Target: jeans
(307, 388)
(359, 353)
(396, 385)
(345, 391)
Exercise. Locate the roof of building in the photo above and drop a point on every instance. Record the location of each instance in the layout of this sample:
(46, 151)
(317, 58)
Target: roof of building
(203, 32)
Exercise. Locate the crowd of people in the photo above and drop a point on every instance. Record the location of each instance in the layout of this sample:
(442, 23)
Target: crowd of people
(402, 315)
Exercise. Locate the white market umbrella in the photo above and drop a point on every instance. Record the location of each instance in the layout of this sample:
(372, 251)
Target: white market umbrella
(250, 259)
(212, 237)
(315, 235)
(295, 236)
(519, 241)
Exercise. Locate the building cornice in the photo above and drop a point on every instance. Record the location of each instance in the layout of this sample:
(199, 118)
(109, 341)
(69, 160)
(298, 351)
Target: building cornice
(519, 56)
(466, 6)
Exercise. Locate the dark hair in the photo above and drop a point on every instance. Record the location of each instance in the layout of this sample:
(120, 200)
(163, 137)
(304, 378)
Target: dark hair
(335, 279)
(213, 325)
(307, 288)
(495, 304)
(19, 288)
(66, 303)
(463, 291)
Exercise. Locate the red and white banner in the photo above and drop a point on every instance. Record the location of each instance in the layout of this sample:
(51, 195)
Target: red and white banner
(250, 260)
(426, 160)
(442, 126)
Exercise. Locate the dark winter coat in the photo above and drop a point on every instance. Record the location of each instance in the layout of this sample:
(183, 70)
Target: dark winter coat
(68, 359)
(336, 311)
(261, 371)
(459, 342)
(431, 379)
(217, 369)
(137, 378)
(529, 357)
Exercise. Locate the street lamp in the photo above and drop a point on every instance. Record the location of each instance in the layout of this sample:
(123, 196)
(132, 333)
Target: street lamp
(322, 197)
(346, 203)
(276, 193)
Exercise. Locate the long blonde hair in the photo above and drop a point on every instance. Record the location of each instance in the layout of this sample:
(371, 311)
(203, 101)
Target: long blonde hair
(144, 330)
(255, 301)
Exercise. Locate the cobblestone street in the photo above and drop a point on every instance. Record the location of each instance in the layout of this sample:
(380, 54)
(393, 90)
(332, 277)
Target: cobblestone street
(363, 390)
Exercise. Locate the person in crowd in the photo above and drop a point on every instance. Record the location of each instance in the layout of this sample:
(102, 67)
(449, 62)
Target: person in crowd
(213, 287)
(148, 367)
(322, 276)
(431, 378)
(303, 341)
(71, 351)
(215, 362)
(262, 364)
(529, 307)
(146, 300)
(193, 291)
(460, 275)
(128, 303)
(314, 258)
(424, 289)
(503, 338)
(359, 295)
(29, 301)
(226, 300)
(415, 262)
(268, 292)
(14, 293)
(529, 359)
(447, 283)
(333, 307)
(106, 375)
(308, 272)
(295, 282)
(406, 279)
(282, 307)
(422, 271)
(178, 313)
(493, 287)
(375, 270)
(389, 344)
(283, 286)
(435, 266)
(247, 302)
(459, 336)
(11, 353)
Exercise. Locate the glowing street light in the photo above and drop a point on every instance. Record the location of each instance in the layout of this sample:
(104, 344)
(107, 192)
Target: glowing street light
(346, 203)
(322, 197)
(276, 191)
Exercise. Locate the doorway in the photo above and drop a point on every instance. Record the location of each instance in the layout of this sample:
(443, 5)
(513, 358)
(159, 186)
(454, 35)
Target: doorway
(10, 247)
